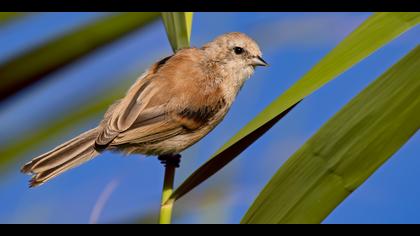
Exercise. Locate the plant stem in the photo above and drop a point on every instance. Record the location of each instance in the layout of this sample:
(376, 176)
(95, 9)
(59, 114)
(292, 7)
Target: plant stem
(171, 163)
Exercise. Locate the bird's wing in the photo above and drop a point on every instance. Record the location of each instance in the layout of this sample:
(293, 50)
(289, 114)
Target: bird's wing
(152, 132)
(153, 106)
(163, 124)
(121, 115)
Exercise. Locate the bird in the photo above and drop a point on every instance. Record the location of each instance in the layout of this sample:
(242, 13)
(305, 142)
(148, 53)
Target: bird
(176, 102)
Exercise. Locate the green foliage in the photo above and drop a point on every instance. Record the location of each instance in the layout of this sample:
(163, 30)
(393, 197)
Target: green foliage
(178, 28)
(320, 175)
(31, 141)
(345, 151)
(6, 16)
(371, 35)
(37, 63)
(54, 55)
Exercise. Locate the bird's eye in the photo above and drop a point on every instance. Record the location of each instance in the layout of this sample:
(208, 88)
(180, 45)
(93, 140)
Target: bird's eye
(238, 50)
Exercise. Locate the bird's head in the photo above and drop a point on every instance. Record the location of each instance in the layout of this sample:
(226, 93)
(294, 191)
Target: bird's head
(235, 50)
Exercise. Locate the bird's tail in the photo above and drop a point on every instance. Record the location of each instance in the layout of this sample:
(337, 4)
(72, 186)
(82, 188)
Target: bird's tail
(62, 158)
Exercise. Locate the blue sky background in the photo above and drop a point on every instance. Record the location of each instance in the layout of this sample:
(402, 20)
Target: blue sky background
(291, 42)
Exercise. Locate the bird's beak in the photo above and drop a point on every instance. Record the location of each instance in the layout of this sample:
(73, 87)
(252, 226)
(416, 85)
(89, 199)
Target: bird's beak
(258, 61)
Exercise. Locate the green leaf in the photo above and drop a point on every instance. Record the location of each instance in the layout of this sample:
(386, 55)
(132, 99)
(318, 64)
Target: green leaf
(178, 28)
(345, 151)
(36, 64)
(33, 140)
(53, 129)
(6, 16)
(41, 135)
(375, 32)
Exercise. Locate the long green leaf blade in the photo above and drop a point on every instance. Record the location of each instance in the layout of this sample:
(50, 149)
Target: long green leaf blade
(31, 141)
(6, 16)
(346, 150)
(178, 28)
(371, 35)
(34, 65)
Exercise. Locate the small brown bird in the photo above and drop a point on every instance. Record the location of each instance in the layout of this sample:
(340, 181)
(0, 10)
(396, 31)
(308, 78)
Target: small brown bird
(174, 104)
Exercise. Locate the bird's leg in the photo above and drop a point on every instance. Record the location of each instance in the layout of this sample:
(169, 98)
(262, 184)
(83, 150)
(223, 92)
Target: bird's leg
(170, 160)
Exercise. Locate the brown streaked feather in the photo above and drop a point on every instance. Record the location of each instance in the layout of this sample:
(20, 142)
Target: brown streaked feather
(62, 158)
(150, 116)
(150, 99)
(123, 114)
(160, 63)
(165, 126)
(159, 107)
(193, 118)
(148, 133)
(60, 154)
(80, 158)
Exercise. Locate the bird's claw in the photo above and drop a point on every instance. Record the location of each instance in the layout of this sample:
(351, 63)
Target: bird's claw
(170, 160)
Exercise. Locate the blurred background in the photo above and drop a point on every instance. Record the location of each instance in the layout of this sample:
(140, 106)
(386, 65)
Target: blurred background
(57, 105)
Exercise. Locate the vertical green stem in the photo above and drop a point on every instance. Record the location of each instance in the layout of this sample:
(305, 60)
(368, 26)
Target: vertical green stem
(168, 184)
(171, 162)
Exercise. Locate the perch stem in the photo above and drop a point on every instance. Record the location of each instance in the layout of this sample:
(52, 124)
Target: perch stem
(171, 162)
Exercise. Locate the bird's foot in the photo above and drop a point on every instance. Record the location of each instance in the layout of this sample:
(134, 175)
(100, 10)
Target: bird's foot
(171, 160)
